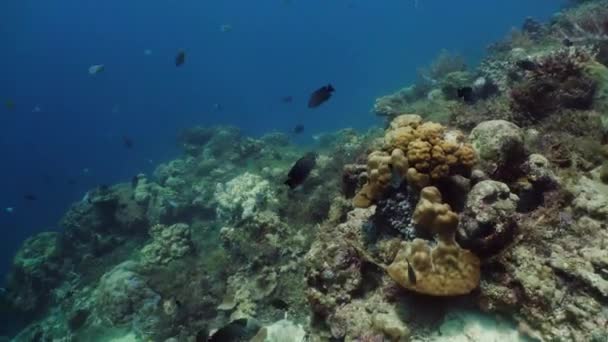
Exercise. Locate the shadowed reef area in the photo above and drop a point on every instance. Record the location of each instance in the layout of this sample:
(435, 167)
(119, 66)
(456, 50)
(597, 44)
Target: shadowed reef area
(479, 212)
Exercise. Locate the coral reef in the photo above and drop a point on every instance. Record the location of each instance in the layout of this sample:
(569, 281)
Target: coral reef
(472, 220)
(168, 244)
(422, 153)
(444, 269)
(488, 221)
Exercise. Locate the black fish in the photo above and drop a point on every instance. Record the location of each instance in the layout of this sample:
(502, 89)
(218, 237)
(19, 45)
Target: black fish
(320, 95)
(287, 99)
(298, 129)
(238, 330)
(279, 304)
(526, 64)
(127, 142)
(466, 94)
(411, 274)
(567, 42)
(300, 170)
(30, 197)
(72, 181)
(180, 58)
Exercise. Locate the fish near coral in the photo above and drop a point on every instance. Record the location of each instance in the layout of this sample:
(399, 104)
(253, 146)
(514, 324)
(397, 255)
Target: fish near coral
(320, 96)
(301, 170)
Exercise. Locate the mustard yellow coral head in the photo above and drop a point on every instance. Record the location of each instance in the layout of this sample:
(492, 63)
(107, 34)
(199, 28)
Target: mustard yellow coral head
(406, 120)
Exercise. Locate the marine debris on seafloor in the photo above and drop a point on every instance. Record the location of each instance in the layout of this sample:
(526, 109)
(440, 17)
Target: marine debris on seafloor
(485, 192)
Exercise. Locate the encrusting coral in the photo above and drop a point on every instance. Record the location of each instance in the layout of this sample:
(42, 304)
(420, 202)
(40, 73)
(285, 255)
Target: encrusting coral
(444, 269)
(422, 153)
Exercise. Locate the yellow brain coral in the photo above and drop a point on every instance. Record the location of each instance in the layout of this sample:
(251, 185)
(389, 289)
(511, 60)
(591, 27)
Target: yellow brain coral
(444, 269)
(431, 153)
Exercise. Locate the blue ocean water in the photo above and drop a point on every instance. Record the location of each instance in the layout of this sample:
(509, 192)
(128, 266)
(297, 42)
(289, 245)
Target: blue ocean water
(73, 141)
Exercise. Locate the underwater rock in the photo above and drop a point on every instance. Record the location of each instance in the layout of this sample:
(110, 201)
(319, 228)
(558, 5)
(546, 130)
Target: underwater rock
(122, 296)
(499, 144)
(243, 196)
(281, 331)
(168, 244)
(36, 270)
(487, 223)
(333, 266)
(591, 198)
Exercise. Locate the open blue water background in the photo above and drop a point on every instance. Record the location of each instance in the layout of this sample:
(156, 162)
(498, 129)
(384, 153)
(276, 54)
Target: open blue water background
(365, 48)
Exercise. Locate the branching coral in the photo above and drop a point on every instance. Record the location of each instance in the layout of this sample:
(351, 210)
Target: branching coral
(444, 269)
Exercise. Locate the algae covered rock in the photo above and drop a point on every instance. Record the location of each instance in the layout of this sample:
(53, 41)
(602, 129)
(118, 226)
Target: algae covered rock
(498, 143)
(37, 269)
(168, 243)
(487, 223)
(123, 296)
(281, 331)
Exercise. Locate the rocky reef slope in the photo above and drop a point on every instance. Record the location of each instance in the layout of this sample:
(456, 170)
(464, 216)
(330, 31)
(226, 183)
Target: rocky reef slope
(480, 212)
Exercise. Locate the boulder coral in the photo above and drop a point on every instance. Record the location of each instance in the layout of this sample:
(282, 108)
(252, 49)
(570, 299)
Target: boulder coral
(442, 269)
(422, 153)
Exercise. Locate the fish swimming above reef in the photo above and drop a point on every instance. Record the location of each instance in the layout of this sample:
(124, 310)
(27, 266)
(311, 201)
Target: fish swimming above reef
(301, 170)
(526, 64)
(320, 96)
(238, 330)
(96, 69)
(287, 99)
(298, 129)
(180, 58)
(466, 94)
(225, 28)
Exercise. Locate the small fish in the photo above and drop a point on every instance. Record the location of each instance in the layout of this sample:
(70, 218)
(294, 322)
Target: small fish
(180, 58)
(218, 107)
(86, 170)
(127, 142)
(301, 170)
(526, 64)
(298, 129)
(320, 95)
(30, 197)
(225, 28)
(411, 274)
(36, 109)
(72, 181)
(567, 42)
(238, 330)
(287, 99)
(466, 94)
(147, 52)
(9, 210)
(96, 69)
(396, 178)
(104, 187)
(9, 104)
(279, 304)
